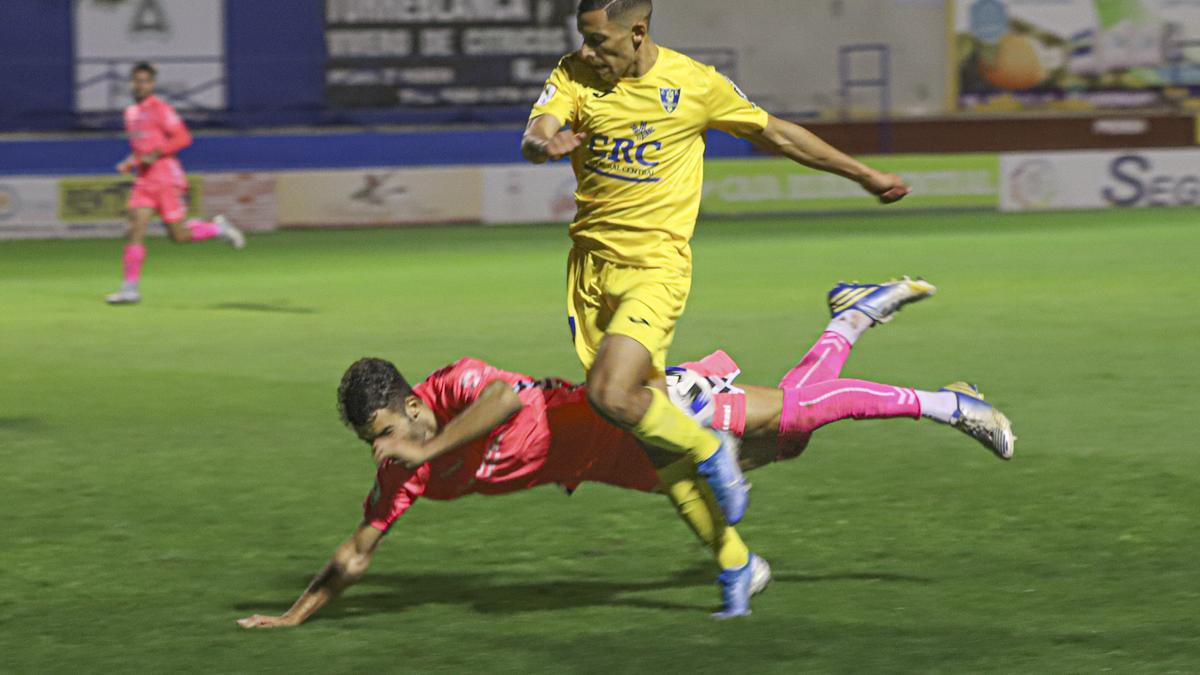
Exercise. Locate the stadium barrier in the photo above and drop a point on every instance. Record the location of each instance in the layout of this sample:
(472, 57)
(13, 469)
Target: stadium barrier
(94, 205)
(500, 194)
(378, 197)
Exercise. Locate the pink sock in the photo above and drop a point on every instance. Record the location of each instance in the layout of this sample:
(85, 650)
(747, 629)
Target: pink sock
(808, 408)
(134, 255)
(822, 363)
(202, 229)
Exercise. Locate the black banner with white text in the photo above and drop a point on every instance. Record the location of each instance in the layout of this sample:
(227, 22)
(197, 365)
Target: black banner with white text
(432, 53)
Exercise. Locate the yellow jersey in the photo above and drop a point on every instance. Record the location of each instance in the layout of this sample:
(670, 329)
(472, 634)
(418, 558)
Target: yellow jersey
(640, 171)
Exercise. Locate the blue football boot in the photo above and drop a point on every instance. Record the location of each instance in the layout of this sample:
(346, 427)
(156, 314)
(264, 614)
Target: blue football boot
(738, 586)
(880, 302)
(980, 420)
(724, 476)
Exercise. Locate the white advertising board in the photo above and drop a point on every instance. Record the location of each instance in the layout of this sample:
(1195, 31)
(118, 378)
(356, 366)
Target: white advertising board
(184, 39)
(248, 199)
(1098, 180)
(380, 197)
(518, 194)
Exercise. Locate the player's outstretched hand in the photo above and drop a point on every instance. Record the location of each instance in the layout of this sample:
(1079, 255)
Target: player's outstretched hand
(260, 621)
(888, 187)
(150, 157)
(563, 144)
(408, 453)
(125, 166)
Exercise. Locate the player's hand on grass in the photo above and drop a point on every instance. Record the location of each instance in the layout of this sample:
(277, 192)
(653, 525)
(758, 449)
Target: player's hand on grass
(260, 621)
(407, 453)
(888, 187)
(563, 144)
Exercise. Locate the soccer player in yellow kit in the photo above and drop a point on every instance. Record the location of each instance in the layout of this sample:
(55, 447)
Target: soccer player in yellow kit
(637, 115)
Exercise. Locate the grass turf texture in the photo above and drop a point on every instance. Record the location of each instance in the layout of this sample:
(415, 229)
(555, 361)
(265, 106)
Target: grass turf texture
(171, 467)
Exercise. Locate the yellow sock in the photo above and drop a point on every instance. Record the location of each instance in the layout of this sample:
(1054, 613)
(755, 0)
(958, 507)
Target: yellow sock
(667, 427)
(695, 503)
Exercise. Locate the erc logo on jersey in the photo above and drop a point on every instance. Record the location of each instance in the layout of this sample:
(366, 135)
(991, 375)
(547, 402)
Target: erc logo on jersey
(670, 98)
(624, 158)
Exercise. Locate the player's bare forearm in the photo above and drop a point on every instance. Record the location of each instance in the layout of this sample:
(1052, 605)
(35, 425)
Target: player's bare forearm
(804, 147)
(764, 410)
(545, 140)
(761, 439)
(495, 404)
(537, 137)
(348, 565)
(177, 139)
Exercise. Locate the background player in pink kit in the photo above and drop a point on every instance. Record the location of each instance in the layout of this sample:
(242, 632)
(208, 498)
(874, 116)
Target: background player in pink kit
(471, 428)
(156, 134)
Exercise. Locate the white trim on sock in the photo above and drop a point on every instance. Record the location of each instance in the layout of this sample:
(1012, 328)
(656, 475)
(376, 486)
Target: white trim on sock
(850, 325)
(938, 406)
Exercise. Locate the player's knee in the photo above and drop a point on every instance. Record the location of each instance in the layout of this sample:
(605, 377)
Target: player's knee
(612, 401)
(178, 236)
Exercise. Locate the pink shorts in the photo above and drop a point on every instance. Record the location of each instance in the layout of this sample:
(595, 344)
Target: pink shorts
(165, 198)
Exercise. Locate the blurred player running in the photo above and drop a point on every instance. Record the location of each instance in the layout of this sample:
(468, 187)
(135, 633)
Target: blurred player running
(471, 428)
(638, 114)
(156, 135)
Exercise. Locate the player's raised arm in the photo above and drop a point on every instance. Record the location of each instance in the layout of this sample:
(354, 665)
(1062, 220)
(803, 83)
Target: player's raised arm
(347, 566)
(177, 135)
(546, 141)
(545, 138)
(496, 403)
(804, 147)
(732, 112)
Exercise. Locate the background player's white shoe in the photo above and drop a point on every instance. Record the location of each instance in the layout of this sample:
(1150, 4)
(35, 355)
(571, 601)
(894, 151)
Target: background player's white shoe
(230, 233)
(125, 296)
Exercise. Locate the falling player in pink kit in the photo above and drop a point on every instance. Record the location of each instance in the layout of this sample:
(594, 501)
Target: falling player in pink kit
(472, 428)
(156, 135)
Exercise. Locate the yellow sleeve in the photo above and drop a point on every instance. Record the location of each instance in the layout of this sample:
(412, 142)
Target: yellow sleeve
(558, 97)
(728, 108)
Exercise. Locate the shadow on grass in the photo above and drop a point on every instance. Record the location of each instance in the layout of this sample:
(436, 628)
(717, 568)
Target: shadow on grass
(483, 594)
(263, 307)
(21, 423)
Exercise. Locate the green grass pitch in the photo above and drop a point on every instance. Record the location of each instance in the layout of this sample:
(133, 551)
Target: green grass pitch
(171, 467)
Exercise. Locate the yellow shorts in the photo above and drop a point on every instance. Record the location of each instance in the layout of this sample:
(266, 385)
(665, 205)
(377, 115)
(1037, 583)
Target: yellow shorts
(604, 297)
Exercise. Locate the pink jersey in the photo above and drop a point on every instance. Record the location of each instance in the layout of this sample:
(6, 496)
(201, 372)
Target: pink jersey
(503, 461)
(556, 438)
(154, 125)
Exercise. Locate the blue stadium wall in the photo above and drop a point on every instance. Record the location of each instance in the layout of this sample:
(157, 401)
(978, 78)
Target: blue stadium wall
(275, 76)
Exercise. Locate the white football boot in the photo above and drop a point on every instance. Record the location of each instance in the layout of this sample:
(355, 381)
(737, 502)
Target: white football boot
(128, 295)
(230, 233)
(980, 420)
(880, 302)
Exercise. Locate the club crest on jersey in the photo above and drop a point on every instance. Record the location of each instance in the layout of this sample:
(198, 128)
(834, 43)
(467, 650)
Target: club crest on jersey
(670, 98)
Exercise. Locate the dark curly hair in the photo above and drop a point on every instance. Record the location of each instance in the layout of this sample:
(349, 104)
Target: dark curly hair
(143, 67)
(616, 8)
(370, 385)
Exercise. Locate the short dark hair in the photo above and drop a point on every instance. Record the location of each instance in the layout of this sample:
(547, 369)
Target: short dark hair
(616, 8)
(144, 67)
(370, 385)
